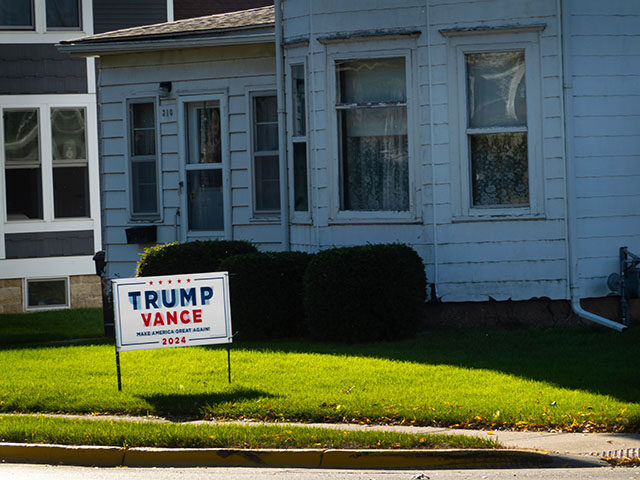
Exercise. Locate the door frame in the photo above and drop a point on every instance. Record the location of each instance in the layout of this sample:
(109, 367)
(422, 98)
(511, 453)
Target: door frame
(185, 234)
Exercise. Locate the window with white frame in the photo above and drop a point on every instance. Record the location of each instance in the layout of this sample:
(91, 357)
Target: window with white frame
(28, 166)
(17, 15)
(142, 156)
(46, 293)
(266, 170)
(22, 14)
(373, 137)
(299, 138)
(498, 116)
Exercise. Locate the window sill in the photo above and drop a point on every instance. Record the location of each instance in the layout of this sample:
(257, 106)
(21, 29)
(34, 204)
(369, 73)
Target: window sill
(264, 218)
(375, 221)
(497, 217)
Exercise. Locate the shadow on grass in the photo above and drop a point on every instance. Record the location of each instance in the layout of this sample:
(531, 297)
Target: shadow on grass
(186, 405)
(594, 360)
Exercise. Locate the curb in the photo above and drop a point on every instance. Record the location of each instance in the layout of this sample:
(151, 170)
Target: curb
(299, 458)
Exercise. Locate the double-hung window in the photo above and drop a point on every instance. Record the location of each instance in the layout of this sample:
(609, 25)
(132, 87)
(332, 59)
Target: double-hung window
(63, 14)
(499, 156)
(142, 155)
(373, 138)
(266, 170)
(22, 15)
(298, 138)
(16, 15)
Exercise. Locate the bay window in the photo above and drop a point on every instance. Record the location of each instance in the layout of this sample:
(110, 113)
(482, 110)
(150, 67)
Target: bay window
(372, 128)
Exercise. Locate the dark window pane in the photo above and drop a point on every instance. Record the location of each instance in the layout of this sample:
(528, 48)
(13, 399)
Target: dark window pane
(499, 169)
(143, 129)
(300, 184)
(371, 80)
(267, 183)
(143, 115)
(21, 144)
(496, 93)
(204, 137)
(16, 13)
(205, 199)
(266, 109)
(299, 107)
(144, 187)
(43, 293)
(68, 134)
(266, 137)
(63, 14)
(24, 193)
(375, 159)
(70, 192)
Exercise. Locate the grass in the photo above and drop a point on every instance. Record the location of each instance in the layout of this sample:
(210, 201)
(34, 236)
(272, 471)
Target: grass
(557, 379)
(51, 325)
(38, 429)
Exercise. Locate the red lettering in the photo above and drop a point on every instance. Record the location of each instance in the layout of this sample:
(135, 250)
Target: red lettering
(172, 317)
(197, 316)
(158, 320)
(184, 316)
(146, 318)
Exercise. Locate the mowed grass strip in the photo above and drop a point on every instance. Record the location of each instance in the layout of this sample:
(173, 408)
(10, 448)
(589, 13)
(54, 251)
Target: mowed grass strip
(56, 325)
(525, 379)
(39, 429)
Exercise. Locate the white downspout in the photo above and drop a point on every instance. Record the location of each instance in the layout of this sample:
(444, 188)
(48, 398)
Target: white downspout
(567, 144)
(282, 134)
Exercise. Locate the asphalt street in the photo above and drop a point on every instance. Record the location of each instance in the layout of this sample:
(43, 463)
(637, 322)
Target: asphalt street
(47, 472)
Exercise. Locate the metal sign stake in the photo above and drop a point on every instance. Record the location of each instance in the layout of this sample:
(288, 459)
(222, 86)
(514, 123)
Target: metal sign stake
(229, 362)
(118, 369)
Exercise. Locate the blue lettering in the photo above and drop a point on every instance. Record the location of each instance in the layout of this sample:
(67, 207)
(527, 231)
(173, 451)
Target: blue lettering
(151, 299)
(206, 293)
(134, 298)
(169, 303)
(187, 297)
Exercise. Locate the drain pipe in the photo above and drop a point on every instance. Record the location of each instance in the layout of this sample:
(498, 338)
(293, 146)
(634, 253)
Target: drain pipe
(570, 215)
(282, 134)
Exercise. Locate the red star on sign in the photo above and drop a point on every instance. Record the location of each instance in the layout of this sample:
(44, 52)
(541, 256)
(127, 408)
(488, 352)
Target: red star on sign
(160, 282)
(169, 281)
(188, 280)
(179, 281)
(150, 283)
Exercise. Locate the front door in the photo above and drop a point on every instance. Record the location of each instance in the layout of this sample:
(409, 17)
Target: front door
(204, 175)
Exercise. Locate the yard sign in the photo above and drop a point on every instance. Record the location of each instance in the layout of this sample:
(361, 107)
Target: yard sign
(171, 311)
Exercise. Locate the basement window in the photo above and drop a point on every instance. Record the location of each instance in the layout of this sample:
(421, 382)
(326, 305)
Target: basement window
(47, 293)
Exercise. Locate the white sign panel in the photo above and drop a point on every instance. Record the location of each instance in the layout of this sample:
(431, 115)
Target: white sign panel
(172, 311)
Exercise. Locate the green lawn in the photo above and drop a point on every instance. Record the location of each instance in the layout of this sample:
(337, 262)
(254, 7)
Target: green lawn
(38, 429)
(56, 325)
(570, 379)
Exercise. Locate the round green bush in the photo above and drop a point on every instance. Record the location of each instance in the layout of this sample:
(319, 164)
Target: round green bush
(266, 294)
(189, 257)
(364, 293)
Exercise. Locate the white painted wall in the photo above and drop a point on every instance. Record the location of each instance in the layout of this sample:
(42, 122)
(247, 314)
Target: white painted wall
(232, 71)
(605, 80)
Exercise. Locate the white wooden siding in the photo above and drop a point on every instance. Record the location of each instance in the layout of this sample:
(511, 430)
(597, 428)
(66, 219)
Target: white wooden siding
(198, 71)
(605, 66)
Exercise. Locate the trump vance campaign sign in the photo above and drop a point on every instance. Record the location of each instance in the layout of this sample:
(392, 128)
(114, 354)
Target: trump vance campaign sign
(172, 311)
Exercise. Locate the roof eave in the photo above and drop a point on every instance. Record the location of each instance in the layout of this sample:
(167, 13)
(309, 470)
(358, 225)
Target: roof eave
(92, 49)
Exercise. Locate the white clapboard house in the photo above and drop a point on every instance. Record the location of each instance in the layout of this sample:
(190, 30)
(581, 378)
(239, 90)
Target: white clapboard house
(499, 138)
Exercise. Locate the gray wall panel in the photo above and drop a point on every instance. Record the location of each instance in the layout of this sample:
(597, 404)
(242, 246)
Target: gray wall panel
(49, 244)
(31, 69)
(111, 15)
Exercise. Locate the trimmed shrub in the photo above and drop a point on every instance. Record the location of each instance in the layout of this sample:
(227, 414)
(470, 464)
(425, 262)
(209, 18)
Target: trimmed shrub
(365, 293)
(189, 257)
(266, 294)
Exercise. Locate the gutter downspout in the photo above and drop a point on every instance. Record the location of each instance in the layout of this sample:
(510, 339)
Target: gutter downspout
(282, 135)
(570, 216)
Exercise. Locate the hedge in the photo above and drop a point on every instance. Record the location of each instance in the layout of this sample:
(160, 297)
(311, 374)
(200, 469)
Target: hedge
(266, 294)
(364, 293)
(189, 257)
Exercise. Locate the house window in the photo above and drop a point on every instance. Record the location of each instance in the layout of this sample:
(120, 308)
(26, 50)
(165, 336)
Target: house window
(497, 128)
(23, 169)
(63, 14)
(142, 150)
(495, 103)
(371, 109)
(47, 293)
(266, 163)
(70, 165)
(299, 139)
(16, 15)
(205, 195)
